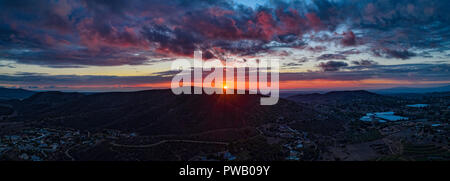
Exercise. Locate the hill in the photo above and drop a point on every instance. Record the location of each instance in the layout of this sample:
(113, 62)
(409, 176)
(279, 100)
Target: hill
(156, 111)
(397, 90)
(344, 106)
(337, 97)
(8, 93)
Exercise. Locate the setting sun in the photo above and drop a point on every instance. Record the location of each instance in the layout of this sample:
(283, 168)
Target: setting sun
(225, 87)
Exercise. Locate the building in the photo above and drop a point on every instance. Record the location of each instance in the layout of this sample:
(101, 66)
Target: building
(382, 117)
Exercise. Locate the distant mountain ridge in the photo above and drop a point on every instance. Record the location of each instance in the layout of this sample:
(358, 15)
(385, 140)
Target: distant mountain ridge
(335, 96)
(412, 90)
(9, 93)
(13, 93)
(155, 112)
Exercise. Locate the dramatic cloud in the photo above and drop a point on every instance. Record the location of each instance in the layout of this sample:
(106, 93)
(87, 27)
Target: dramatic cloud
(401, 72)
(120, 32)
(332, 66)
(351, 39)
(399, 54)
(332, 57)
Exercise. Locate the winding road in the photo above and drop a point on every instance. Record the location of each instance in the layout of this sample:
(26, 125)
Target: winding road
(168, 141)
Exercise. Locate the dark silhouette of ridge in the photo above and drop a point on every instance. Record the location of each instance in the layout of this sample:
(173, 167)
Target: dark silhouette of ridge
(155, 111)
(337, 96)
(8, 93)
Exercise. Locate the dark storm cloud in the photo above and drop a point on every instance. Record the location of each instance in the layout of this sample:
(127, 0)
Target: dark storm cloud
(332, 57)
(399, 54)
(26, 78)
(331, 66)
(118, 32)
(411, 72)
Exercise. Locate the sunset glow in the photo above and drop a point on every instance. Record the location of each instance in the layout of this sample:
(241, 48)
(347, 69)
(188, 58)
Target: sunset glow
(241, 83)
(108, 46)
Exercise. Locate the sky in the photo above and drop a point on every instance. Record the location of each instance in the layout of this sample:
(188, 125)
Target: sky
(120, 45)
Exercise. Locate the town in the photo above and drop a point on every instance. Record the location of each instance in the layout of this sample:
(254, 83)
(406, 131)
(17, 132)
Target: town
(335, 126)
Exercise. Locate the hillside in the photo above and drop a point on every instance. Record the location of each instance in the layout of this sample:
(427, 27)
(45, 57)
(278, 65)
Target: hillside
(339, 97)
(344, 106)
(156, 111)
(7, 93)
(398, 90)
